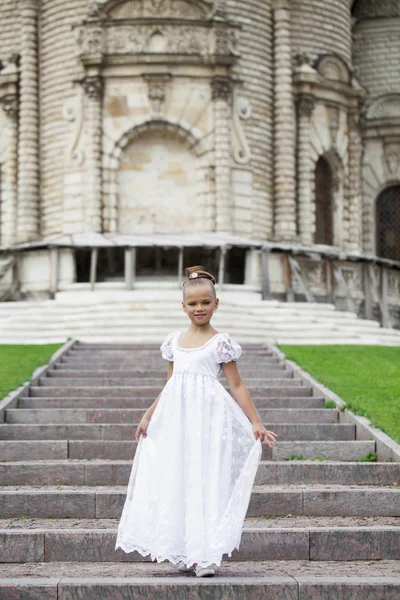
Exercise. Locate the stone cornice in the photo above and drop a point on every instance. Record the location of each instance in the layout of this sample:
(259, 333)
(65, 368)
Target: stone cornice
(326, 90)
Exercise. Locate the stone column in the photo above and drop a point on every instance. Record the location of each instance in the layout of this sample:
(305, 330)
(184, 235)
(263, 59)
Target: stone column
(305, 109)
(10, 171)
(284, 127)
(28, 149)
(93, 86)
(354, 241)
(222, 97)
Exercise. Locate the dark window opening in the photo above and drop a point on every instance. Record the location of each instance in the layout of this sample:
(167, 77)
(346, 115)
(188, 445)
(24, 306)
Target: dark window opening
(388, 224)
(159, 262)
(323, 203)
(235, 266)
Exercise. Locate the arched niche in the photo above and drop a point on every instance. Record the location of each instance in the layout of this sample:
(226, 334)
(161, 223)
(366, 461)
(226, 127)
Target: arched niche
(157, 184)
(387, 210)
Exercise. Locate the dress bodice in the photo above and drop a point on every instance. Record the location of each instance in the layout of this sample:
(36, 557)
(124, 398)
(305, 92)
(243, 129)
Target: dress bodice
(204, 360)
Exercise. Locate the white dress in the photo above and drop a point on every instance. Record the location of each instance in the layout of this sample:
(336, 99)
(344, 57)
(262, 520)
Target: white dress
(192, 477)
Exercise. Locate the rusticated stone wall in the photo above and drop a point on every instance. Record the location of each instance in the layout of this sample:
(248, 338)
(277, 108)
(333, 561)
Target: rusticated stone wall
(320, 27)
(58, 69)
(10, 28)
(252, 182)
(376, 54)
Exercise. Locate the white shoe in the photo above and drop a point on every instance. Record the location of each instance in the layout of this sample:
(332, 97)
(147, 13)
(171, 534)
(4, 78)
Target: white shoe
(184, 569)
(205, 571)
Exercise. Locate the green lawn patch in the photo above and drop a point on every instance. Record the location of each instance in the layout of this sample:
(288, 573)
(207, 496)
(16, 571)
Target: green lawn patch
(18, 362)
(367, 378)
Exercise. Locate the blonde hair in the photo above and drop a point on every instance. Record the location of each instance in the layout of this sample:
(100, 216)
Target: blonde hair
(195, 276)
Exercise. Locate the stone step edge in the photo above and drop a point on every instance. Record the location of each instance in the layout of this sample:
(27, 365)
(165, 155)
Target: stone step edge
(293, 585)
(261, 488)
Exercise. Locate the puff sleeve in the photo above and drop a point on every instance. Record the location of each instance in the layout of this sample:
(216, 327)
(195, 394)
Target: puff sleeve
(227, 349)
(166, 347)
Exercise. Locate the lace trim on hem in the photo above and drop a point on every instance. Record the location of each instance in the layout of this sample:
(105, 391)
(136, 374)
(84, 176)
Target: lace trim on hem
(175, 559)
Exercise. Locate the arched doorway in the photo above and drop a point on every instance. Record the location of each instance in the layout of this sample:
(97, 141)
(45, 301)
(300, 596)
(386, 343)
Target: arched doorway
(388, 223)
(323, 203)
(157, 183)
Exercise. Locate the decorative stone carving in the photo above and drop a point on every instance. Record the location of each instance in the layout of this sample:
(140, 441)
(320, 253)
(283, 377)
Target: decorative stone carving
(93, 10)
(226, 39)
(165, 39)
(157, 89)
(305, 105)
(91, 40)
(240, 146)
(10, 105)
(391, 152)
(385, 107)
(73, 113)
(303, 58)
(334, 69)
(93, 86)
(222, 88)
(160, 8)
(334, 117)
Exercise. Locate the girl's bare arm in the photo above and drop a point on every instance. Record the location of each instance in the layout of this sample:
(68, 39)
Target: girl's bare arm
(243, 398)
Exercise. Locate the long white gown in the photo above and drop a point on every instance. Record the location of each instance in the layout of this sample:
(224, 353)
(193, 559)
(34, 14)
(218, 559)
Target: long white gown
(191, 479)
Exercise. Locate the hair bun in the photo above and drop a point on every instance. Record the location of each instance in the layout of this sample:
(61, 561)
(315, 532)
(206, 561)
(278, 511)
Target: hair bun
(199, 271)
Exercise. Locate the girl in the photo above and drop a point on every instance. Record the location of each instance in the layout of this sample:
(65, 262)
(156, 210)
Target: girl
(198, 452)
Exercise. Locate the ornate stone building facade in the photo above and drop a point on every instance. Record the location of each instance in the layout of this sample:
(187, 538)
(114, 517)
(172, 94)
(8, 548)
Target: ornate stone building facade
(277, 121)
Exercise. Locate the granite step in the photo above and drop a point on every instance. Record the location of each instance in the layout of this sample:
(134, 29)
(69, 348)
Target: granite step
(104, 502)
(152, 392)
(155, 376)
(151, 362)
(275, 580)
(12, 450)
(83, 370)
(154, 384)
(139, 350)
(260, 542)
(120, 415)
(117, 431)
(296, 402)
(116, 472)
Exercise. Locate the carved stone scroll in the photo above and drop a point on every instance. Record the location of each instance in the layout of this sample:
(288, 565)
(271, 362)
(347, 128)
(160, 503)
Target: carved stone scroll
(241, 148)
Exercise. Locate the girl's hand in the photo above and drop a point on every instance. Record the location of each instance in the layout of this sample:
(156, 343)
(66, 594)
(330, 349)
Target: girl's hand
(267, 437)
(142, 428)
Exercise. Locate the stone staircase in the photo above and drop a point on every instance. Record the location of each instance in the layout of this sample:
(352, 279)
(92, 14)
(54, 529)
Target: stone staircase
(326, 527)
(120, 316)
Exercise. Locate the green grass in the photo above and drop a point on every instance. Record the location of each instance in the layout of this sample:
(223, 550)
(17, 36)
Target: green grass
(18, 362)
(367, 378)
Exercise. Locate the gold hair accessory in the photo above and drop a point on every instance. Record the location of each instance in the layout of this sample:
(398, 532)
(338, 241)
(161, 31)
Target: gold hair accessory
(193, 275)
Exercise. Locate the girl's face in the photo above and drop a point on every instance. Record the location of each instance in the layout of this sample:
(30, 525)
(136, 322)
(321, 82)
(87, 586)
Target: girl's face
(199, 304)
